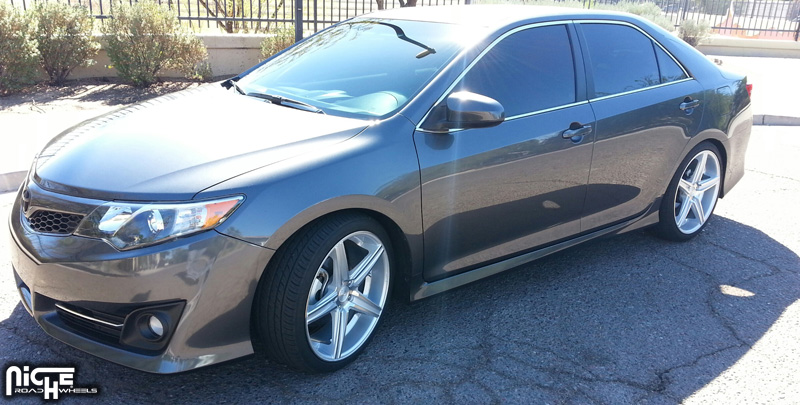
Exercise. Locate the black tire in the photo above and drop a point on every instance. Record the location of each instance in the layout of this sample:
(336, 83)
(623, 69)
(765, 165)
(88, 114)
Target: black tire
(668, 227)
(285, 289)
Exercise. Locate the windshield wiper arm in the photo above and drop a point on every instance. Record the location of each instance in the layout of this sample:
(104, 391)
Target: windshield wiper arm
(402, 35)
(231, 82)
(286, 102)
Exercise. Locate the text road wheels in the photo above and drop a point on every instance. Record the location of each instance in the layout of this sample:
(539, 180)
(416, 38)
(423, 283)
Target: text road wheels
(692, 194)
(318, 306)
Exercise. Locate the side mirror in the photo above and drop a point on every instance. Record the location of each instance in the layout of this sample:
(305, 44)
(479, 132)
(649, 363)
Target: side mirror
(464, 110)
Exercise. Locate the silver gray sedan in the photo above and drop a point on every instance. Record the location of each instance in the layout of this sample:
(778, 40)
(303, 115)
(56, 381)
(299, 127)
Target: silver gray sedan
(409, 151)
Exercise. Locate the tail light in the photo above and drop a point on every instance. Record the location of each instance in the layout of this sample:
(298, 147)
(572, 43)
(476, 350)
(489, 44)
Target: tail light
(749, 90)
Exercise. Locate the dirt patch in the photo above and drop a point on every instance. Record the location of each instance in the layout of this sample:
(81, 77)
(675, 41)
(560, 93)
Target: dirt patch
(86, 94)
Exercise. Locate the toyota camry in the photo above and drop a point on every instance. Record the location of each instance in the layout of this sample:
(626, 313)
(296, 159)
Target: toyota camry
(406, 152)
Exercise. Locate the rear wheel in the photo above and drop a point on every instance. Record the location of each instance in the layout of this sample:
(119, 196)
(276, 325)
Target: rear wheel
(692, 194)
(319, 305)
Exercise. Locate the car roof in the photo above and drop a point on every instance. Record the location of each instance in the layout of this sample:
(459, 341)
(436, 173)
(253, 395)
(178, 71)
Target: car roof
(491, 15)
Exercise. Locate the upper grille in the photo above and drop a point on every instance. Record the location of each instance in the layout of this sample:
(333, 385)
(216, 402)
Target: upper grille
(54, 222)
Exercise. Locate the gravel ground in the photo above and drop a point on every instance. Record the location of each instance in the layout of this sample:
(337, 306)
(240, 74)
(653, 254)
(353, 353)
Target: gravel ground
(630, 319)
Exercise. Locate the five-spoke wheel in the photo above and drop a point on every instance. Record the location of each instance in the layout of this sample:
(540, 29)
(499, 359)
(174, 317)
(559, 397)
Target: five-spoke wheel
(324, 292)
(347, 296)
(692, 195)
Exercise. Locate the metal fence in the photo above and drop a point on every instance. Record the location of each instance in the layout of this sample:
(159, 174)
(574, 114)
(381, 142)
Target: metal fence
(775, 19)
(751, 19)
(256, 15)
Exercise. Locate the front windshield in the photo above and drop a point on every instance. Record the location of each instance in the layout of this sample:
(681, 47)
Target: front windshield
(364, 68)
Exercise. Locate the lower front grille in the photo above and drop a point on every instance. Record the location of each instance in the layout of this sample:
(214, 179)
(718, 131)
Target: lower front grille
(56, 222)
(97, 325)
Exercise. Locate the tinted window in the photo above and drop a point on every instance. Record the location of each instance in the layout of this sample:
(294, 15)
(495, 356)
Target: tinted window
(528, 71)
(362, 68)
(670, 71)
(622, 58)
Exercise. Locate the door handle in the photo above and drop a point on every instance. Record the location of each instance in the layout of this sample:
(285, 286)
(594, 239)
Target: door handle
(576, 130)
(688, 104)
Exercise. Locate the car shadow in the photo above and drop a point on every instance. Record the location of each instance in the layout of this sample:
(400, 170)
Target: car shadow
(619, 320)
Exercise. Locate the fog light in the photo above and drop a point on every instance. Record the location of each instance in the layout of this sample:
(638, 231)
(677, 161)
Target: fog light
(155, 326)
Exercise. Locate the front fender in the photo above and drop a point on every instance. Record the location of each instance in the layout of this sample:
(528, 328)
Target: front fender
(376, 171)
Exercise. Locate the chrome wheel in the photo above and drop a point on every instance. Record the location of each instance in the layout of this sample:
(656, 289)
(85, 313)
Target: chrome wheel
(697, 191)
(347, 296)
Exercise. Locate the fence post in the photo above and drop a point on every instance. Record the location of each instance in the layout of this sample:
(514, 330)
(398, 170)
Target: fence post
(797, 30)
(298, 20)
(315, 15)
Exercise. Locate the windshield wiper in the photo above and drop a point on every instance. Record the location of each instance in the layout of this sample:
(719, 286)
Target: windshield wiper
(402, 35)
(280, 100)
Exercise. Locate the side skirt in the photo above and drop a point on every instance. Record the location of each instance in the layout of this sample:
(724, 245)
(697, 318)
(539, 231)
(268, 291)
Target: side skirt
(421, 289)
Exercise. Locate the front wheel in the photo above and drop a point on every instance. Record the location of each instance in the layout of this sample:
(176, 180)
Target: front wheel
(319, 305)
(692, 194)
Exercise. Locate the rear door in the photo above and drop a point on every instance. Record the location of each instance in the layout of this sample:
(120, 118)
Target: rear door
(647, 108)
(489, 193)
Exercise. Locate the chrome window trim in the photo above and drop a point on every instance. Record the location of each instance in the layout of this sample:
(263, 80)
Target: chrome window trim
(518, 116)
(546, 110)
(627, 24)
(639, 90)
(477, 59)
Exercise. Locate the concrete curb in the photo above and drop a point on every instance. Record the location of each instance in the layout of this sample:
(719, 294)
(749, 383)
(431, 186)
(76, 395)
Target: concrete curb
(775, 120)
(723, 45)
(11, 181)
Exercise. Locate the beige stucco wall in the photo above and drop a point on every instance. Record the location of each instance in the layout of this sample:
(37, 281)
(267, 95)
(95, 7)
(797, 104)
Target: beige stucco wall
(228, 54)
(733, 46)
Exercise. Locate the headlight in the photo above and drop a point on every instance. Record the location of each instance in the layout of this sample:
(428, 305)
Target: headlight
(134, 225)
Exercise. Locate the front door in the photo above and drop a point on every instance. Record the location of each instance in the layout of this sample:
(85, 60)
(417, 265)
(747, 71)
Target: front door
(490, 193)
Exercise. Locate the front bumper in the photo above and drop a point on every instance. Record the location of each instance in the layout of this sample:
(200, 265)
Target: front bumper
(91, 296)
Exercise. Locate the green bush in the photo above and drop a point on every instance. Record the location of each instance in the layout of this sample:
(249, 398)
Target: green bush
(64, 39)
(276, 41)
(18, 56)
(694, 32)
(145, 38)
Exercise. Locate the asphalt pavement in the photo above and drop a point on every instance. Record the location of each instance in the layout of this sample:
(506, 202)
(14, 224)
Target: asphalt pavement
(629, 319)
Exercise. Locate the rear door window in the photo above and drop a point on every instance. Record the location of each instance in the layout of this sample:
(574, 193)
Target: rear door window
(621, 59)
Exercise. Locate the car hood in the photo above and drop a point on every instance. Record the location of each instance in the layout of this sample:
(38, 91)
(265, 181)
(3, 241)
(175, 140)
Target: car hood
(174, 146)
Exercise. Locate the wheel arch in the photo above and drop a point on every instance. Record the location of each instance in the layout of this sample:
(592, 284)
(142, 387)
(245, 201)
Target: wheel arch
(724, 164)
(406, 241)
